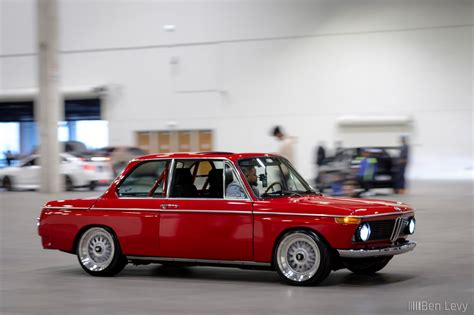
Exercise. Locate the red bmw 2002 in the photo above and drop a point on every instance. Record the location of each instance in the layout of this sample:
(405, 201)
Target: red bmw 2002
(246, 210)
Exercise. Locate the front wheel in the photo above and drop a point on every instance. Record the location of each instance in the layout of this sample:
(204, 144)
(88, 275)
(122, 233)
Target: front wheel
(7, 183)
(99, 253)
(367, 266)
(68, 184)
(302, 258)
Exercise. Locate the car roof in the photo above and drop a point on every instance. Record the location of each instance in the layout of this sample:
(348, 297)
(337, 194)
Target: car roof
(201, 155)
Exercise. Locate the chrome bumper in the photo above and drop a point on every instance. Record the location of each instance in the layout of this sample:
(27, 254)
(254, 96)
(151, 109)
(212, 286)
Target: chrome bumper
(386, 251)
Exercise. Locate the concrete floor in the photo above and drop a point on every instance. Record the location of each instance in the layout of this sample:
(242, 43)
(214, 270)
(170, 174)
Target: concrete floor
(37, 281)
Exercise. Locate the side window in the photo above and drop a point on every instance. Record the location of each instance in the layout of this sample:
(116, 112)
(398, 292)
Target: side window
(31, 162)
(198, 179)
(201, 170)
(143, 179)
(233, 187)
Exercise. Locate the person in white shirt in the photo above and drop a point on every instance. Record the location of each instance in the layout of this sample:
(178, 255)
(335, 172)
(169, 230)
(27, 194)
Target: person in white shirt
(287, 143)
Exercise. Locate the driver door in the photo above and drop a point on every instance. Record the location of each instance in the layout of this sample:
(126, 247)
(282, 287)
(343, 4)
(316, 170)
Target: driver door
(198, 221)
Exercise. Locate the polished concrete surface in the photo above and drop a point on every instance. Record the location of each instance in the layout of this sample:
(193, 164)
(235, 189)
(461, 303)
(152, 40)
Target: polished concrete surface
(37, 281)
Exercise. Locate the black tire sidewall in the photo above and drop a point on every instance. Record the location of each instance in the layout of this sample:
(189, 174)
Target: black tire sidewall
(324, 265)
(118, 262)
(8, 180)
(68, 183)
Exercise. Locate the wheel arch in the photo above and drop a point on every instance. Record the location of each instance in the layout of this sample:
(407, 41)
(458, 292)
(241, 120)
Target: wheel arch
(83, 229)
(299, 228)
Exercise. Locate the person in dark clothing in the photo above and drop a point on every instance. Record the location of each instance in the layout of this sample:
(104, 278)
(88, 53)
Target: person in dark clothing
(402, 162)
(320, 154)
(8, 157)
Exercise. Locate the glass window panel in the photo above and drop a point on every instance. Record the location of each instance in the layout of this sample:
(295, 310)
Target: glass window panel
(142, 179)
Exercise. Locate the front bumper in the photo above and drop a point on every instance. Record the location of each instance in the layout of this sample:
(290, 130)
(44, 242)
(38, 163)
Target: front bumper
(386, 251)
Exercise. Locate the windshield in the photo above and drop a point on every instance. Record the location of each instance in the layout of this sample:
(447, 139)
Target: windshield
(273, 177)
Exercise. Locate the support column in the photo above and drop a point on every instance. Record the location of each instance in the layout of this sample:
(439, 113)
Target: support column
(48, 106)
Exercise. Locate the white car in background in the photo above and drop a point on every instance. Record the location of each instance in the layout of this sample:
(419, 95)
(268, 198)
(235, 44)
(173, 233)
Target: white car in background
(74, 171)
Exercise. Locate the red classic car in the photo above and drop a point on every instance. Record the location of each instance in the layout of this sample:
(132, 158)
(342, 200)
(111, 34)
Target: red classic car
(247, 210)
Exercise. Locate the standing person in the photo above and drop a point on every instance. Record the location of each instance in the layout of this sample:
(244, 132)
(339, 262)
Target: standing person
(287, 143)
(366, 172)
(320, 154)
(400, 184)
(320, 157)
(8, 157)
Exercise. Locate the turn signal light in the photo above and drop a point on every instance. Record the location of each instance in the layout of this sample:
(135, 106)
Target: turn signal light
(348, 220)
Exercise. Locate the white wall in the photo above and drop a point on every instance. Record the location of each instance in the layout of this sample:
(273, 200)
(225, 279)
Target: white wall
(261, 63)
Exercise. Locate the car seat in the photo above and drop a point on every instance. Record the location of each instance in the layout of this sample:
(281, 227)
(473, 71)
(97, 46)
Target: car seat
(183, 184)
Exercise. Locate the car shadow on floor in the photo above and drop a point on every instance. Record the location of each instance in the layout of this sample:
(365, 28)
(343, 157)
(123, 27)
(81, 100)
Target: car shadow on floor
(349, 279)
(181, 274)
(340, 278)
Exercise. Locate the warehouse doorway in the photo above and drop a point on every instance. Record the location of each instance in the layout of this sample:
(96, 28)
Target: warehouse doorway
(166, 141)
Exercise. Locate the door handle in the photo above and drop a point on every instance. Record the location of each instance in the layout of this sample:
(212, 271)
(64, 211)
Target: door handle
(169, 206)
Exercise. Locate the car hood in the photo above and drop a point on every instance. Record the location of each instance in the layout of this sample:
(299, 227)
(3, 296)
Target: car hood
(344, 206)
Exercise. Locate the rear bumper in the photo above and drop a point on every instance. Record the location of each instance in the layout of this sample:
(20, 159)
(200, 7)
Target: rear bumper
(386, 251)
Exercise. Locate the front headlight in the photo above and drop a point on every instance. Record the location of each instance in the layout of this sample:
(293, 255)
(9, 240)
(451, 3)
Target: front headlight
(363, 232)
(411, 226)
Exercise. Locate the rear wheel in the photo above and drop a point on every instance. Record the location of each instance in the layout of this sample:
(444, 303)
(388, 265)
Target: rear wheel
(68, 184)
(367, 266)
(99, 253)
(302, 258)
(7, 183)
(92, 185)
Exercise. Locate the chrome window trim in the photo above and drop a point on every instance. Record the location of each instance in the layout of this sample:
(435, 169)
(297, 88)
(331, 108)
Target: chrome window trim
(289, 165)
(170, 176)
(117, 186)
(225, 161)
(204, 261)
(239, 179)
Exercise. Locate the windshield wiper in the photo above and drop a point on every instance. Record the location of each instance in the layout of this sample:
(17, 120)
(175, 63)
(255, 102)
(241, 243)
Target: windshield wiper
(282, 193)
(311, 191)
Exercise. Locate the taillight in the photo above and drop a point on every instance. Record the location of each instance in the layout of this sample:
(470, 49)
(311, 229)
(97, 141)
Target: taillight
(88, 167)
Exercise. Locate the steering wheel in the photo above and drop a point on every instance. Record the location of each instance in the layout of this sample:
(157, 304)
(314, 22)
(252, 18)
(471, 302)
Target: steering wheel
(272, 185)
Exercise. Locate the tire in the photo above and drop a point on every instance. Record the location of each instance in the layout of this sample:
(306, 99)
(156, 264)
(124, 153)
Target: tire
(7, 183)
(367, 266)
(92, 185)
(302, 258)
(68, 184)
(99, 253)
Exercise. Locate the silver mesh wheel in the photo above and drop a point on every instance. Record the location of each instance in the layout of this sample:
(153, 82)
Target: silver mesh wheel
(298, 257)
(96, 249)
